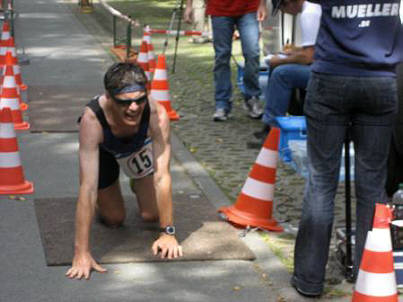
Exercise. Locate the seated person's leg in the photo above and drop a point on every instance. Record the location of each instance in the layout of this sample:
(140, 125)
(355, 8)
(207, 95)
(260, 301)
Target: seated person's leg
(283, 80)
(110, 203)
(146, 197)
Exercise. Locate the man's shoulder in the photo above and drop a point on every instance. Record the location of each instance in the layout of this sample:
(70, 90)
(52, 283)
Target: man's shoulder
(158, 117)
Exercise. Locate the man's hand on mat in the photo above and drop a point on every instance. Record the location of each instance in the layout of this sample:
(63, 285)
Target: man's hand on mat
(167, 246)
(82, 266)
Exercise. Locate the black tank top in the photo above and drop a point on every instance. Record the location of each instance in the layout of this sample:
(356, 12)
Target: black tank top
(118, 146)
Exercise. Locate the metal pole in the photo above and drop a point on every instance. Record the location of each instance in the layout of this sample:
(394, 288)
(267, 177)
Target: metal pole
(128, 39)
(349, 262)
(177, 35)
(171, 23)
(114, 30)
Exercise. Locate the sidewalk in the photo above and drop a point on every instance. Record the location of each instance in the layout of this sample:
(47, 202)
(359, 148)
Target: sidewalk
(64, 54)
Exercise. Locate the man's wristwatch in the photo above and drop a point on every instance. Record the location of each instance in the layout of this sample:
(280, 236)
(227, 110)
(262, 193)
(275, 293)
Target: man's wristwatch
(169, 230)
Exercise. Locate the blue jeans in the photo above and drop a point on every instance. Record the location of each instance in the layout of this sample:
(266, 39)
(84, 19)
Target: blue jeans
(223, 29)
(281, 83)
(332, 104)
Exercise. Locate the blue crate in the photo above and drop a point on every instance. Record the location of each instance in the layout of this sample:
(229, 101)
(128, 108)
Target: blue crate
(398, 264)
(292, 128)
(263, 78)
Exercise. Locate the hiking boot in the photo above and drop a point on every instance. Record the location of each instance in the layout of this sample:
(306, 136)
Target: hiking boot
(220, 115)
(254, 107)
(262, 133)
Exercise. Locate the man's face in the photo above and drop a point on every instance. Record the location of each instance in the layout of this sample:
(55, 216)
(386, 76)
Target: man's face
(291, 7)
(129, 106)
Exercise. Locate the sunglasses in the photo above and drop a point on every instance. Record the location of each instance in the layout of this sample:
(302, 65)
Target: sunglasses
(128, 102)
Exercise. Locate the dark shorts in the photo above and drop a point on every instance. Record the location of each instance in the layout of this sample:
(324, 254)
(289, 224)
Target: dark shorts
(108, 169)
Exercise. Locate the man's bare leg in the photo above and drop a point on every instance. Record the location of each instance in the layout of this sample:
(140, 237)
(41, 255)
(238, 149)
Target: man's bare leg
(111, 205)
(146, 198)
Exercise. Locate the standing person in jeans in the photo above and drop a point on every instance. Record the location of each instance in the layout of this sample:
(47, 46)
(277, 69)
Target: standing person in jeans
(290, 70)
(226, 16)
(199, 21)
(352, 85)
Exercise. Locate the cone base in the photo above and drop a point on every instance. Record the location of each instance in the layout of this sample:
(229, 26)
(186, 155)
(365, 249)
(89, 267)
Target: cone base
(22, 126)
(173, 116)
(358, 297)
(25, 188)
(24, 106)
(241, 218)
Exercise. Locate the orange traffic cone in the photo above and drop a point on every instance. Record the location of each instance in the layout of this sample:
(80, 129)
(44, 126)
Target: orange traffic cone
(12, 179)
(255, 202)
(160, 88)
(150, 49)
(142, 59)
(376, 281)
(5, 35)
(16, 70)
(10, 96)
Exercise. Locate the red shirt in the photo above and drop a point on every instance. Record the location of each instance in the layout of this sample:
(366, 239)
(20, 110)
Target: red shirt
(231, 8)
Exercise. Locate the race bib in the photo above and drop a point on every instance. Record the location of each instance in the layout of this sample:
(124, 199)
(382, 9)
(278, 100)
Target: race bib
(139, 164)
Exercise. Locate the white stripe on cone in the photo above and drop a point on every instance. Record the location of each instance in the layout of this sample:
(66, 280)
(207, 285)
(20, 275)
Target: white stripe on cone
(378, 240)
(4, 49)
(160, 95)
(10, 160)
(258, 189)
(376, 285)
(160, 74)
(143, 57)
(7, 130)
(5, 35)
(147, 39)
(267, 158)
(9, 82)
(12, 103)
(16, 69)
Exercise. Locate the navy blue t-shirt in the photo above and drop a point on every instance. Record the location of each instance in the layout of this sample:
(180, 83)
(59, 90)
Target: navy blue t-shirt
(359, 38)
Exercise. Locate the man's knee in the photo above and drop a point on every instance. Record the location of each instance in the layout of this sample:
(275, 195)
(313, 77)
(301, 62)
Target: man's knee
(115, 220)
(149, 217)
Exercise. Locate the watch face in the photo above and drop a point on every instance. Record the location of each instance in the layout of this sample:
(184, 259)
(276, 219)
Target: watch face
(170, 230)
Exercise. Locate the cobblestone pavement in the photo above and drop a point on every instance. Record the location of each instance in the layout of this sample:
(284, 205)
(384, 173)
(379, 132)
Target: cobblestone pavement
(219, 146)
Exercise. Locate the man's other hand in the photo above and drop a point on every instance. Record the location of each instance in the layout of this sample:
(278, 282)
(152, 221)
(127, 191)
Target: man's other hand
(262, 12)
(167, 246)
(82, 266)
(188, 14)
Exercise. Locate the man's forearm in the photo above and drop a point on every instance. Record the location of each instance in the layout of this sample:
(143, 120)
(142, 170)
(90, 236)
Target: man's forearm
(84, 214)
(164, 200)
(297, 57)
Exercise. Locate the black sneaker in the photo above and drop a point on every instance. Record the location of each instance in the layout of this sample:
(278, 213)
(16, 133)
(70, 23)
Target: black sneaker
(254, 107)
(302, 292)
(262, 133)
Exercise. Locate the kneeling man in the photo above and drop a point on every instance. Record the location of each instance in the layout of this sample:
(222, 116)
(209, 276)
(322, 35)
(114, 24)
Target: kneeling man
(123, 128)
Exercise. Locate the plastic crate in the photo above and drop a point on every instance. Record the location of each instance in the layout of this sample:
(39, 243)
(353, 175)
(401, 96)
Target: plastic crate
(263, 78)
(292, 128)
(398, 264)
(299, 156)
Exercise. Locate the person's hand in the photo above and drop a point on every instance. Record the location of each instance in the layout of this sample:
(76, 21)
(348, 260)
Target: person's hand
(82, 266)
(275, 61)
(261, 12)
(188, 14)
(167, 246)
